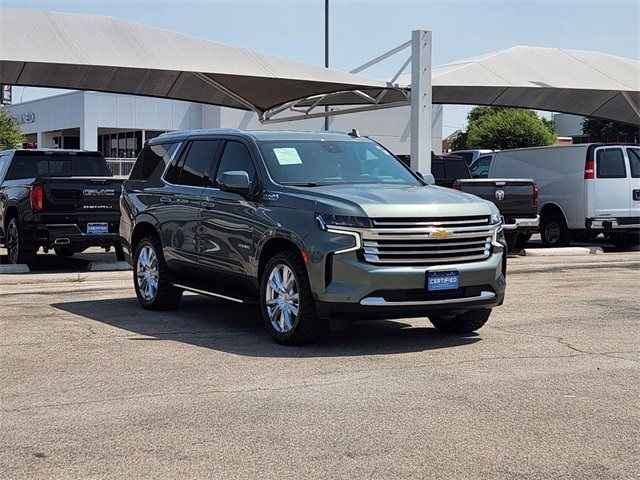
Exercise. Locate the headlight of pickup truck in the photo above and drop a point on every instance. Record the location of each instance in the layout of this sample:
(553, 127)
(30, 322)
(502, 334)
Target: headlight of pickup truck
(325, 221)
(496, 219)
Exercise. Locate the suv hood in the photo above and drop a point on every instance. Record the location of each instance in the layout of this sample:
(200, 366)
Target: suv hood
(379, 201)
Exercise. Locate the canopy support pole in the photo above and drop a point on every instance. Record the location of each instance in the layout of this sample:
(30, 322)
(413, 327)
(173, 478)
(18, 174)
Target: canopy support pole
(421, 41)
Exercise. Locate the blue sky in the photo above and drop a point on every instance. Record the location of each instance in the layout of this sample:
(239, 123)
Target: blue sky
(361, 30)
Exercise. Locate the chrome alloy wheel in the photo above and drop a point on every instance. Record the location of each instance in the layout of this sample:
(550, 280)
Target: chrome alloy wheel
(282, 298)
(147, 273)
(13, 243)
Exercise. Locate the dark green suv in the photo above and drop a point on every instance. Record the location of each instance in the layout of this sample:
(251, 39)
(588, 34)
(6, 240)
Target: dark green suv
(313, 226)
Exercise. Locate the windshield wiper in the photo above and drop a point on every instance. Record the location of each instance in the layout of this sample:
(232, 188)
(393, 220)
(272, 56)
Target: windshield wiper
(302, 184)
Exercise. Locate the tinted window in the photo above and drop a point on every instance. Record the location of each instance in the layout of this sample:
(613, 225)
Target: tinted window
(634, 162)
(152, 162)
(468, 156)
(31, 165)
(437, 169)
(4, 165)
(610, 163)
(236, 156)
(456, 168)
(197, 163)
(480, 168)
(333, 162)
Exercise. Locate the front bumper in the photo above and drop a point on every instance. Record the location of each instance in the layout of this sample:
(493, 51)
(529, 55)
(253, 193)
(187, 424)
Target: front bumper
(524, 225)
(357, 290)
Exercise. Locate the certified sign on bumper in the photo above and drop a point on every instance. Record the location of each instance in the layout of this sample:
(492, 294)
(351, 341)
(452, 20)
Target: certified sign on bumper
(441, 281)
(97, 228)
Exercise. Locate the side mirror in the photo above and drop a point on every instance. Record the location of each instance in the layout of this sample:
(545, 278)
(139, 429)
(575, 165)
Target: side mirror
(429, 178)
(235, 181)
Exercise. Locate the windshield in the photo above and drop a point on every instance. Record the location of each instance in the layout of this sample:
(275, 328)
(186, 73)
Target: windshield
(328, 162)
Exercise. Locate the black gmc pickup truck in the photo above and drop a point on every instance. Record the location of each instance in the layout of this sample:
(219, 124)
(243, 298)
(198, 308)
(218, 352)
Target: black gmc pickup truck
(67, 200)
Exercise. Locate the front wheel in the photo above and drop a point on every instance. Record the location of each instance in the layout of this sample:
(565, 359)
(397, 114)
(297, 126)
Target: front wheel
(464, 323)
(152, 278)
(287, 303)
(18, 250)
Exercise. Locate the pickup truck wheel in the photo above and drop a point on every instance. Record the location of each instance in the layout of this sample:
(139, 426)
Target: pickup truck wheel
(463, 323)
(286, 301)
(18, 251)
(120, 253)
(522, 239)
(63, 251)
(152, 278)
(511, 239)
(554, 231)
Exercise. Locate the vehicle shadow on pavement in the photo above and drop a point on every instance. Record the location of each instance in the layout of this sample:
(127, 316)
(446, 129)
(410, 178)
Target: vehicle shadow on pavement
(209, 323)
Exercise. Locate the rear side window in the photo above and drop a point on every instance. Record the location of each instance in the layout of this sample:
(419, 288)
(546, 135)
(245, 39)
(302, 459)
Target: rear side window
(236, 156)
(27, 165)
(480, 168)
(634, 162)
(4, 165)
(610, 163)
(152, 162)
(437, 170)
(197, 163)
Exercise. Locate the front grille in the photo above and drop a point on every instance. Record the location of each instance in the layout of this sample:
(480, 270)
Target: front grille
(427, 241)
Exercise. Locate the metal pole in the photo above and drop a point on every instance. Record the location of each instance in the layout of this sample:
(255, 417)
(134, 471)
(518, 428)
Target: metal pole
(421, 101)
(326, 51)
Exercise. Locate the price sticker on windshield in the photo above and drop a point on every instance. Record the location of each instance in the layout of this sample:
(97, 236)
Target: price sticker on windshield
(287, 156)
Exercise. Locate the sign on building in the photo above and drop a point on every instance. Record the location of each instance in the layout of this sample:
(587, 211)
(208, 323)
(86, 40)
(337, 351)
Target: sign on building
(6, 95)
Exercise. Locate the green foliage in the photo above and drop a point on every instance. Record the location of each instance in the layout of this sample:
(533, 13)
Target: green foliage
(503, 128)
(10, 133)
(600, 130)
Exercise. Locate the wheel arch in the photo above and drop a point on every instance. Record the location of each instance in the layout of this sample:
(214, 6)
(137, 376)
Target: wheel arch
(274, 243)
(551, 208)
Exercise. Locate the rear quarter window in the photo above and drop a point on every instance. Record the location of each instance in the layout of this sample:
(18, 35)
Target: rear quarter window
(634, 162)
(152, 162)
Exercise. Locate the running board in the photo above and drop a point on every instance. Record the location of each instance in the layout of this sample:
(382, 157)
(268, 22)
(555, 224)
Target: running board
(209, 294)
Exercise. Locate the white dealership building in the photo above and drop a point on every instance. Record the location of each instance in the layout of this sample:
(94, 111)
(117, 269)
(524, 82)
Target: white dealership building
(118, 125)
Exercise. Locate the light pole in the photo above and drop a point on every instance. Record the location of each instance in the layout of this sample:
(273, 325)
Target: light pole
(326, 52)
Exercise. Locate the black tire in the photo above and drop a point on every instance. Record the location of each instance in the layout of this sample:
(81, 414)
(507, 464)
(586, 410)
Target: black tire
(624, 240)
(554, 231)
(306, 327)
(64, 251)
(511, 239)
(464, 323)
(522, 239)
(166, 297)
(120, 253)
(18, 250)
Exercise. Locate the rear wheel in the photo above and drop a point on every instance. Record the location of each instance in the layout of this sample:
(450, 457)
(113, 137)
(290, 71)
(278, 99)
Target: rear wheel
(463, 323)
(152, 278)
(18, 250)
(286, 301)
(554, 231)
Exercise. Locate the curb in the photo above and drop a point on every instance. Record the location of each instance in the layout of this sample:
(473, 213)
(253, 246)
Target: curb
(561, 252)
(108, 266)
(14, 268)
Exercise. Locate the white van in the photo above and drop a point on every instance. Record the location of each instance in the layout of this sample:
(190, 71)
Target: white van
(585, 189)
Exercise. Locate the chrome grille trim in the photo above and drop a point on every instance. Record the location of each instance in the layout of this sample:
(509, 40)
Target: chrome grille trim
(411, 241)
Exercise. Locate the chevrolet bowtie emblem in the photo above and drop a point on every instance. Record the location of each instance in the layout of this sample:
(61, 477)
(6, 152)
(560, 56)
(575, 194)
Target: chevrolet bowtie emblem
(440, 233)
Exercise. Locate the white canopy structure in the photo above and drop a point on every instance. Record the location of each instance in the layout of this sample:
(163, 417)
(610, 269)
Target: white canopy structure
(553, 79)
(91, 52)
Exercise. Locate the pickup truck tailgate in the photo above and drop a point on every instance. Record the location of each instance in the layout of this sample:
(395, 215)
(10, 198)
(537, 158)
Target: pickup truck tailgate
(81, 194)
(513, 197)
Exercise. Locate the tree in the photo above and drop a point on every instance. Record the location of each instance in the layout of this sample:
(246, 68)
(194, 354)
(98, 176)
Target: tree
(10, 133)
(600, 130)
(502, 128)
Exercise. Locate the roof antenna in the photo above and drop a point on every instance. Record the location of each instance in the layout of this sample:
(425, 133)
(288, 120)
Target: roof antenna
(354, 133)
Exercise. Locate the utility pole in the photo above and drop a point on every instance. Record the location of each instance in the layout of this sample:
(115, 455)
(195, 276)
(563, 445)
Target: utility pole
(326, 52)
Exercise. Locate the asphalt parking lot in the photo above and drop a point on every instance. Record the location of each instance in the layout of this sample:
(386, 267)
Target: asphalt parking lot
(92, 386)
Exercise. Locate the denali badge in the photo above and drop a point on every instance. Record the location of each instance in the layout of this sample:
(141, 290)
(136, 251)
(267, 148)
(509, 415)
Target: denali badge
(500, 194)
(98, 192)
(440, 233)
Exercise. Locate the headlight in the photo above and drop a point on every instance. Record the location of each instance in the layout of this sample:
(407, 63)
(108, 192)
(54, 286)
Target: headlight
(325, 220)
(496, 219)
